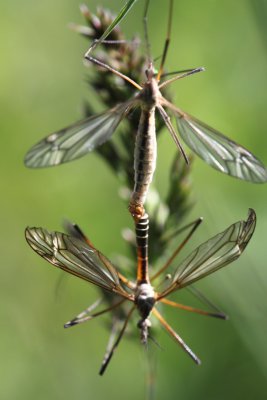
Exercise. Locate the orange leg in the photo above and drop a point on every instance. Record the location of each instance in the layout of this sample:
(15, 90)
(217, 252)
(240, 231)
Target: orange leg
(192, 309)
(175, 336)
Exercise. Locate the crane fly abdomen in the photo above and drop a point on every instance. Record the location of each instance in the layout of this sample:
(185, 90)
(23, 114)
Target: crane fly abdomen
(145, 154)
(141, 233)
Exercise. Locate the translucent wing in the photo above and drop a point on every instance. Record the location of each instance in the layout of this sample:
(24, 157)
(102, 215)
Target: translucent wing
(75, 231)
(219, 151)
(76, 257)
(76, 140)
(214, 254)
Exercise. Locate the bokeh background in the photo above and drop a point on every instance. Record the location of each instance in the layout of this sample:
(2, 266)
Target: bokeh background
(42, 88)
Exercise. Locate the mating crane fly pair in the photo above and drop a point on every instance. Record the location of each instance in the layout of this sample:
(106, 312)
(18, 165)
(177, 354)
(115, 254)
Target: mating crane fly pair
(82, 137)
(82, 259)
(79, 257)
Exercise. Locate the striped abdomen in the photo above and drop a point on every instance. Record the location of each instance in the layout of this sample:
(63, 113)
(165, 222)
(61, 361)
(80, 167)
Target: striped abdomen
(141, 231)
(145, 155)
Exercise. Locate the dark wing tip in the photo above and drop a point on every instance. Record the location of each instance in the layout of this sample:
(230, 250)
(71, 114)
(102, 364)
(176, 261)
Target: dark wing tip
(220, 315)
(248, 229)
(251, 214)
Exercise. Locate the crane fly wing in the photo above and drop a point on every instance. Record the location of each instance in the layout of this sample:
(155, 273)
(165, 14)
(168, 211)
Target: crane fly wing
(214, 254)
(218, 150)
(75, 231)
(76, 140)
(76, 257)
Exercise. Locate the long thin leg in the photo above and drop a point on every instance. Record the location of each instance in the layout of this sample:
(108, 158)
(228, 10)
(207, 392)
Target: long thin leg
(79, 318)
(193, 71)
(123, 41)
(146, 31)
(85, 317)
(86, 31)
(175, 336)
(74, 230)
(167, 41)
(114, 330)
(170, 236)
(114, 71)
(107, 359)
(197, 293)
(180, 71)
(179, 248)
(126, 282)
(192, 309)
(124, 10)
(171, 129)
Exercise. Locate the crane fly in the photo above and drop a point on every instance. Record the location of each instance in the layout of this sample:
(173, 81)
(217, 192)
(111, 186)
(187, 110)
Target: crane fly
(74, 230)
(119, 313)
(82, 137)
(82, 259)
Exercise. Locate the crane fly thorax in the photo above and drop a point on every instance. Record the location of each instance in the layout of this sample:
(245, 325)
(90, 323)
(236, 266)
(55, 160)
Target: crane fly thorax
(150, 94)
(144, 299)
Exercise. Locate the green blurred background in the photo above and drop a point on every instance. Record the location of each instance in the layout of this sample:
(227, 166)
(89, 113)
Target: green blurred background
(43, 86)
